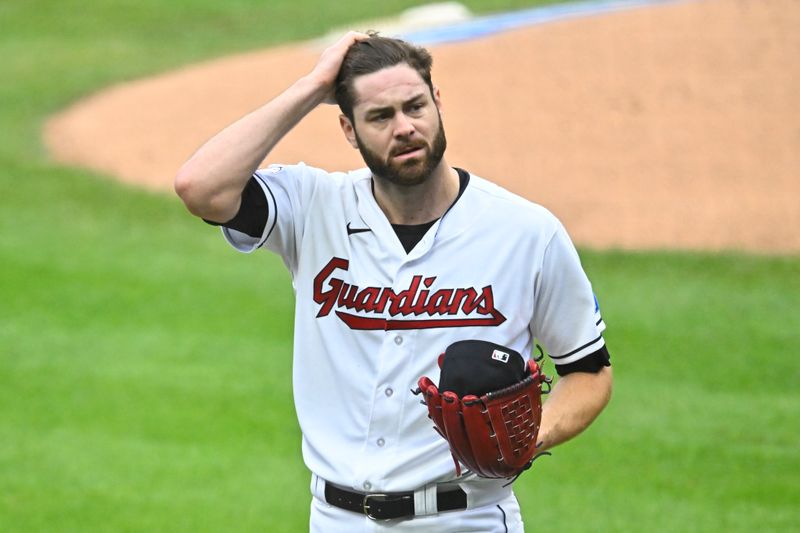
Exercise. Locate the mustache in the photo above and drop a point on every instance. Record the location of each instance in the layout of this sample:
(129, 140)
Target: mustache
(407, 148)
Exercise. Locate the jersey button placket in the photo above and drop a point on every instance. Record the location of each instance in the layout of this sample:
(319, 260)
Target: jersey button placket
(383, 422)
(388, 392)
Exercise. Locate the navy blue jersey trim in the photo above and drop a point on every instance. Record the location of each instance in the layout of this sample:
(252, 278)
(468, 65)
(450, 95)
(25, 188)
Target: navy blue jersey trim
(576, 350)
(274, 203)
(504, 518)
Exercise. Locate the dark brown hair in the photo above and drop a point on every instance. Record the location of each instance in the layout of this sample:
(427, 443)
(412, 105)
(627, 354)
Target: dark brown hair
(372, 55)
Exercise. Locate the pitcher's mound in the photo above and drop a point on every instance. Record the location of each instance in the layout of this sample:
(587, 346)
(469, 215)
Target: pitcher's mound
(672, 126)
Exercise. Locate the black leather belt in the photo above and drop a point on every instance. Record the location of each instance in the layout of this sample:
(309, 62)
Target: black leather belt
(391, 505)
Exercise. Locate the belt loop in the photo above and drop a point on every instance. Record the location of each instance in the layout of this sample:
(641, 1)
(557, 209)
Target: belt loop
(425, 500)
(317, 487)
(485, 491)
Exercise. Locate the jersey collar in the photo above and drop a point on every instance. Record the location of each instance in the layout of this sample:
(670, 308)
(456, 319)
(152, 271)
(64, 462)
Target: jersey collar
(464, 212)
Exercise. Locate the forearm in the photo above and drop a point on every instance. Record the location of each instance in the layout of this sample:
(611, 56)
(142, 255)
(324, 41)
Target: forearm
(575, 401)
(211, 181)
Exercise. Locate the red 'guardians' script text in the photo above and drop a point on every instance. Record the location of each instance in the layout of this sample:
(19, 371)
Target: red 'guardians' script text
(472, 307)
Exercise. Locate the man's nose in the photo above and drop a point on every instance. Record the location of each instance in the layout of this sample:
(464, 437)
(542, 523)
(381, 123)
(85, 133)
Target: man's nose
(403, 127)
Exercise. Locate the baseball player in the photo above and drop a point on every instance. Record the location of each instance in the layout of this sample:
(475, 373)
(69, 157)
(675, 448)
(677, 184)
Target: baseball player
(391, 264)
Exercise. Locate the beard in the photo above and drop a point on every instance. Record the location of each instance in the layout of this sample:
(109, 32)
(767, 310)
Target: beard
(409, 172)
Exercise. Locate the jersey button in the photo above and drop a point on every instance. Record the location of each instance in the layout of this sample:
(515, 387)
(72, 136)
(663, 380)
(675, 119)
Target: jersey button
(381, 442)
(367, 485)
(388, 392)
(398, 340)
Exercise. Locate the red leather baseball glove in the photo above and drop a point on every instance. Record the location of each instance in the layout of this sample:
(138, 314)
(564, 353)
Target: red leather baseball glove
(492, 432)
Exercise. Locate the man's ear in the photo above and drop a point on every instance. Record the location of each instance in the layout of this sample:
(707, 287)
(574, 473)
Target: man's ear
(437, 98)
(349, 130)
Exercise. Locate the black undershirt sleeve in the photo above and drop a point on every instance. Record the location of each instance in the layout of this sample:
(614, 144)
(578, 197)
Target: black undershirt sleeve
(592, 363)
(253, 212)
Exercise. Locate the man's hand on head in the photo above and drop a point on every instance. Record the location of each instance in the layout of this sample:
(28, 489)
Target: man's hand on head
(329, 63)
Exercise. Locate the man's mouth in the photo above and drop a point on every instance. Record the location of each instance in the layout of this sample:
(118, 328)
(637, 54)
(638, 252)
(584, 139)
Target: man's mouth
(408, 151)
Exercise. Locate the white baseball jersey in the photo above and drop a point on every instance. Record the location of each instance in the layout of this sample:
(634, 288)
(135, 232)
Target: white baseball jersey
(370, 319)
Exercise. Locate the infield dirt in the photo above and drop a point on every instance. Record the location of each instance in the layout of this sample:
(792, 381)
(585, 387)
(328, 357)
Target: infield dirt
(673, 126)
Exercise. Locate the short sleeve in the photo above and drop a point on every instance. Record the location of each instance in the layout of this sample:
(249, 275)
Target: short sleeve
(566, 320)
(287, 189)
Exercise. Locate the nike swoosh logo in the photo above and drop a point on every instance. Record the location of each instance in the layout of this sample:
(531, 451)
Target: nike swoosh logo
(351, 231)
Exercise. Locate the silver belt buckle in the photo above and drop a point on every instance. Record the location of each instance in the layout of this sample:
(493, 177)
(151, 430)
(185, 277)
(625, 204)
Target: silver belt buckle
(365, 505)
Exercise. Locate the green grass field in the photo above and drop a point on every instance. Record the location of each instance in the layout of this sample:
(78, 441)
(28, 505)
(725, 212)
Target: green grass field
(145, 367)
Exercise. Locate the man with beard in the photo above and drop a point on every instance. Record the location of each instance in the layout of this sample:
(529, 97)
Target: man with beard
(391, 264)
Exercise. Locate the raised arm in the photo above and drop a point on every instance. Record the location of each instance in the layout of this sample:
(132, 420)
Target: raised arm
(210, 183)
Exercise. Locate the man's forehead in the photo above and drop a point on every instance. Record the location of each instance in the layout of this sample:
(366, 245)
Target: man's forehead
(399, 82)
